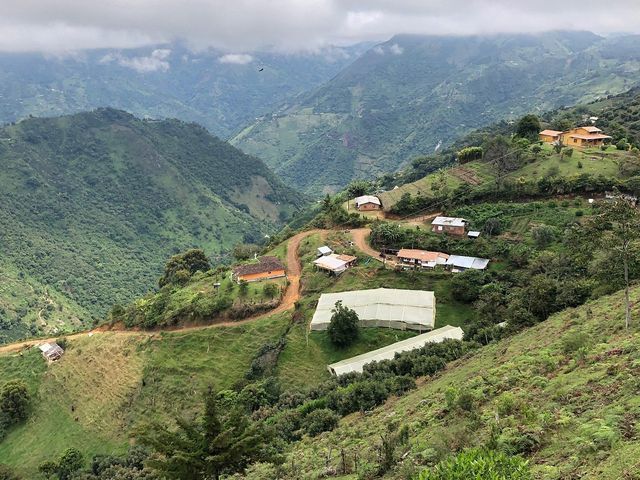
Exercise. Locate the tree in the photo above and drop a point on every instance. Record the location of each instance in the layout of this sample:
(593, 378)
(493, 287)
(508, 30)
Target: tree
(528, 127)
(270, 290)
(344, 326)
(479, 464)
(205, 448)
(357, 188)
(181, 267)
(321, 420)
(618, 230)
(245, 251)
(7, 474)
(469, 154)
(493, 226)
(66, 467)
(70, 462)
(14, 402)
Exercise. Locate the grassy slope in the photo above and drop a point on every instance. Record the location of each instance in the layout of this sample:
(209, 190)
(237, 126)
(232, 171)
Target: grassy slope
(93, 204)
(570, 381)
(591, 160)
(157, 377)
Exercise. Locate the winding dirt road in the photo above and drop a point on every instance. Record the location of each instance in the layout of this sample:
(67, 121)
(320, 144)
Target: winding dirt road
(291, 296)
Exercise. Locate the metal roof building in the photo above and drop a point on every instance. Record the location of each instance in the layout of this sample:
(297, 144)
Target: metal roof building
(460, 262)
(367, 199)
(449, 221)
(355, 364)
(381, 307)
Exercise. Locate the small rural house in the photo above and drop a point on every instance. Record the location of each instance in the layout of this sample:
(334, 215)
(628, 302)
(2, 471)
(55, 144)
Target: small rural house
(381, 307)
(335, 263)
(422, 258)
(550, 136)
(584, 137)
(356, 364)
(266, 268)
(51, 351)
(324, 250)
(589, 136)
(460, 263)
(451, 225)
(368, 202)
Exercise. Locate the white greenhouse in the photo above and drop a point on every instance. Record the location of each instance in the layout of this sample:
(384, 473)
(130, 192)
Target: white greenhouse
(356, 364)
(381, 307)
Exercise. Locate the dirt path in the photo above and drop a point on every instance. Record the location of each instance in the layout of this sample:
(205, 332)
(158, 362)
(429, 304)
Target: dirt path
(291, 296)
(360, 236)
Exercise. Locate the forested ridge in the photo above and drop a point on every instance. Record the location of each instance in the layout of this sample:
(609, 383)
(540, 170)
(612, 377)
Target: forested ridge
(93, 203)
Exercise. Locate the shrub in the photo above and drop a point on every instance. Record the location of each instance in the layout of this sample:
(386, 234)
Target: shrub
(7, 474)
(543, 235)
(322, 420)
(479, 464)
(344, 328)
(568, 152)
(579, 164)
(14, 402)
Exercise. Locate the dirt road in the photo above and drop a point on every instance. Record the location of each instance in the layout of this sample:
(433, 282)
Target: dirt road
(291, 296)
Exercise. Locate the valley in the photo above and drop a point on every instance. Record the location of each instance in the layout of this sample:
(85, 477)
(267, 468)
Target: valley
(414, 259)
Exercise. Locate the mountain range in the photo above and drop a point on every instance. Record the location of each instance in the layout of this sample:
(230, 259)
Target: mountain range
(222, 92)
(411, 95)
(92, 204)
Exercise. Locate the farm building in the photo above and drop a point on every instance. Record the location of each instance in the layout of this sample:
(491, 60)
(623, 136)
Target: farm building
(452, 225)
(266, 268)
(550, 136)
(51, 351)
(368, 202)
(381, 307)
(422, 258)
(460, 263)
(588, 136)
(356, 364)
(473, 234)
(584, 137)
(335, 263)
(324, 250)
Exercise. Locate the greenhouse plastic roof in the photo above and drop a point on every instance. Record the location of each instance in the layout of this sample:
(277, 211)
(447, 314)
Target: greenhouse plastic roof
(380, 307)
(355, 364)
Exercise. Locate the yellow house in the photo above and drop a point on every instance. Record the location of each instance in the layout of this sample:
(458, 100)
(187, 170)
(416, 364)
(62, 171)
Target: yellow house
(550, 136)
(576, 137)
(584, 137)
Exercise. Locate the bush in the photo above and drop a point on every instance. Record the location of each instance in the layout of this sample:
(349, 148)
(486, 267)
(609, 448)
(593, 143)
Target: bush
(543, 235)
(322, 420)
(479, 464)
(344, 328)
(14, 402)
(7, 474)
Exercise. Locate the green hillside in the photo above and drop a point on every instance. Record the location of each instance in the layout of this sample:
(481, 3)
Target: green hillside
(92, 204)
(481, 175)
(407, 96)
(564, 394)
(158, 376)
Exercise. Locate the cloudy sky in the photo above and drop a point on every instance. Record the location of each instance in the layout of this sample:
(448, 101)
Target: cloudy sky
(241, 26)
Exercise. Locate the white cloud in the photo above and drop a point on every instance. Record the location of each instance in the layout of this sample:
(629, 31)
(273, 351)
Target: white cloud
(285, 25)
(155, 62)
(379, 50)
(396, 49)
(236, 58)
